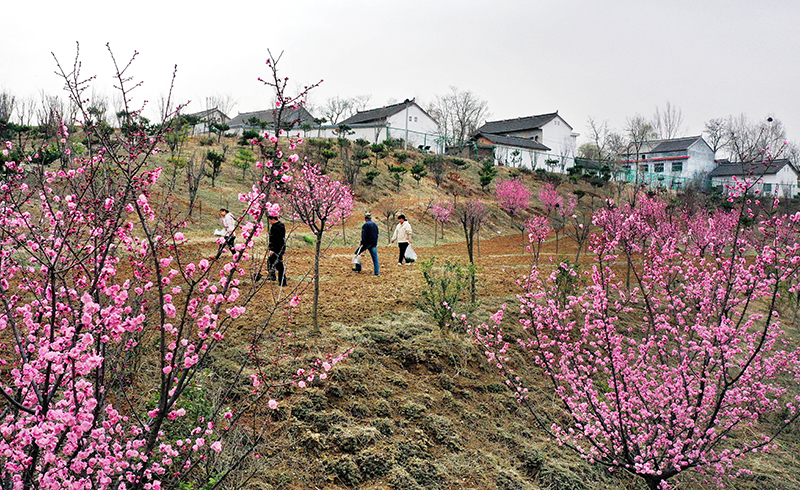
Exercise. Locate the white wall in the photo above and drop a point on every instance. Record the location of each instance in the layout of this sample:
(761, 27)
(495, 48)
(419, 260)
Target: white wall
(558, 136)
(421, 130)
(531, 159)
(784, 183)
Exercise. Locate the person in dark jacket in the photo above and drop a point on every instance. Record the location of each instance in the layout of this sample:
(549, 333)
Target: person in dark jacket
(369, 241)
(277, 246)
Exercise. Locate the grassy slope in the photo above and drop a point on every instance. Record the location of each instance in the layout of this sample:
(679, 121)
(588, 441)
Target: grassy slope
(413, 408)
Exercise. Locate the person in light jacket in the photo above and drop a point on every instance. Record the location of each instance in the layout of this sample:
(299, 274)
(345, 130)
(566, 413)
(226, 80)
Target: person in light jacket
(228, 230)
(402, 234)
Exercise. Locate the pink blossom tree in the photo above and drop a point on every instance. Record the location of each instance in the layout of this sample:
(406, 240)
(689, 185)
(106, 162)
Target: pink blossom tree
(514, 198)
(108, 322)
(441, 212)
(538, 229)
(557, 210)
(689, 380)
(320, 203)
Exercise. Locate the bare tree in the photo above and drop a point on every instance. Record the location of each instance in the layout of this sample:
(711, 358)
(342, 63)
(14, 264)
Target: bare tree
(8, 103)
(338, 108)
(26, 111)
(605, 146)
(335, 109)
(458, 114)
(668, 123)
(389, 209)
(756, 141)
(223, 102)
(717, 134)
(50, 113)
(359, 103)
(639, 131)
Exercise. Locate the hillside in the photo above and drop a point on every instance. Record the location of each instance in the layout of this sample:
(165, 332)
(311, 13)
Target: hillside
(220, 396)
(414, 407)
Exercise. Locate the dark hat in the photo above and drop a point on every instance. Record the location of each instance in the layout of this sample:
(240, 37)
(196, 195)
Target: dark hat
(273, 217)
(367, 216)
(401, 216)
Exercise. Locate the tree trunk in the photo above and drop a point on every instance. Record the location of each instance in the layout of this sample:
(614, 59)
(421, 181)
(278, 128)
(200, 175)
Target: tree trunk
(316, 285)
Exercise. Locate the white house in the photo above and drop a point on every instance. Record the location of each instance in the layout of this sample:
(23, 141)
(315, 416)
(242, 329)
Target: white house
(206, 118)
(670, 163)
(555, 138)
(291, 120)
(776, 178)
(406, 121)
(509, 151)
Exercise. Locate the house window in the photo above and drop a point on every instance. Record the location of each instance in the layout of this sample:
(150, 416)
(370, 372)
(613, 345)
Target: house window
(767, 188)
(658, 167)
(677, 167)
(410, 118)
(644, 157)
(415, 119)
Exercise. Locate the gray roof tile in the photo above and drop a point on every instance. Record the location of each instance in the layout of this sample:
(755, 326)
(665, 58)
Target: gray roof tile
(750, 169)
(513, 141)
(518, 124)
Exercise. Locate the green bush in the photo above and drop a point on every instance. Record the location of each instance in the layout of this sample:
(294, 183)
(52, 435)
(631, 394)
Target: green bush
(370, 176)
(344, 470)
(443, 289)
(374, 464)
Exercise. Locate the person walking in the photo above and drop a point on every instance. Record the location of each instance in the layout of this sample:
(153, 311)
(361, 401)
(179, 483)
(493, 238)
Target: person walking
(402, 234)
(228, 231)
(277, 247)
(369, 241)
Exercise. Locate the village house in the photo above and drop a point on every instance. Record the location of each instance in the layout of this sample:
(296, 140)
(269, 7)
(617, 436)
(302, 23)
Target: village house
(544, 141)
(292, 119)
(509, 151)
(774, 178)
(206, 118)
(670, 163)
(406, 121)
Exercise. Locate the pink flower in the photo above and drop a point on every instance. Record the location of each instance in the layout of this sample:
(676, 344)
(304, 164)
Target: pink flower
(217, 446)
(294, 301)
(273, 404)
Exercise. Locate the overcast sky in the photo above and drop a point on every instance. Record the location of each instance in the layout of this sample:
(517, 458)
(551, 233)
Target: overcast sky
(608, 59)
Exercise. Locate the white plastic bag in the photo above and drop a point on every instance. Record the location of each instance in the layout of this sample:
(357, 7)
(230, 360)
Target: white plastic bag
(411, 255)
(218, 232)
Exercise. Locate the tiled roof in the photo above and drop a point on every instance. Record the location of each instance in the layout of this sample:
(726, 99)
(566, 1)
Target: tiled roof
(297, 116)
(518, 124)
(512, 141)
(750, 169)
(676, 144)
(206, 112)
(378, 115)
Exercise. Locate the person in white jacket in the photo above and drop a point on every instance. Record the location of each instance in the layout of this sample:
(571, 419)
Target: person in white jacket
(228, 229)
(402, 234)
